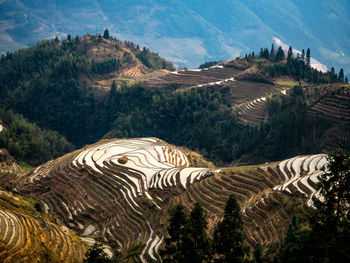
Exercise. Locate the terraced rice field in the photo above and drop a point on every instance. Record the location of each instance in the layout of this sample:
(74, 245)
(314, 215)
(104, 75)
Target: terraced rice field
(301, 174)
(9, 169)
(333, 107)
(105, 190)
(27, 239)
(119, 192)
(215, 75)
(254, 112)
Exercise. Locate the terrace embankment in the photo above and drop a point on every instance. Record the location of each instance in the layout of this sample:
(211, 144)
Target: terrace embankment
(119, 192)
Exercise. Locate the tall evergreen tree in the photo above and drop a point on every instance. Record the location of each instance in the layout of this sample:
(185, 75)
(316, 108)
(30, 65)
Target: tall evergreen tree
(272, 52)
(290, 53)
(106, 34)
(333, 76)
(279, 54)
(188, 241)
(201, 248)
(258, 254)
(303, 55)
(328, 238)
(330, 221)
(229, 237)
(341, 75)
(308, 57)
(178, 235)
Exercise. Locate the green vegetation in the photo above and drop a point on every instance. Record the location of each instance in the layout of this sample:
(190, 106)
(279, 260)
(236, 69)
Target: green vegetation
(189, 242)
(229, 236)
(208, 64)
(106, 34)
(152, 60)
(95, 254)
(27, 142)
(49, 85)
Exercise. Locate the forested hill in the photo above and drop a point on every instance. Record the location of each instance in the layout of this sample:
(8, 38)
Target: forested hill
(55, 83)
(257, 108)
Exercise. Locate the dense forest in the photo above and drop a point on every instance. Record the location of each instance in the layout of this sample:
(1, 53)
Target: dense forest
(49, 85)
(27, 142)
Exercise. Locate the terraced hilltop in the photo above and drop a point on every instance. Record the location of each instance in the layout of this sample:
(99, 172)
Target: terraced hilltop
(118, 191)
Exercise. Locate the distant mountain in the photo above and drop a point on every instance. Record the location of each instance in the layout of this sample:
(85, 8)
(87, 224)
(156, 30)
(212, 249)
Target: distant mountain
(188, 32)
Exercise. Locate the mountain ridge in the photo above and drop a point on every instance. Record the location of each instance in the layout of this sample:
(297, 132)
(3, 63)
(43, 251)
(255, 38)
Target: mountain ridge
(232, 29)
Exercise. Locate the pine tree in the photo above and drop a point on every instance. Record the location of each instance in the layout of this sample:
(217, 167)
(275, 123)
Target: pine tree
(333, 76)
(303, 55)
(290, 53)
(279, 54)
(330, 221)
(200, 247)
(106, 34)
(272, 52)
(229, 236)
(258, 254)
(178, 235)
(188, 241)
(341, 75)
(308, 57)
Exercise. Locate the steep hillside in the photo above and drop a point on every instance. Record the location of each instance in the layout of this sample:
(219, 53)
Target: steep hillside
(119, 191)
(27, 233)
(55, 83)
(28, 236)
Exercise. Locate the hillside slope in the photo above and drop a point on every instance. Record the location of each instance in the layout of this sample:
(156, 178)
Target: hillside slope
(27, 233)
(119, 191)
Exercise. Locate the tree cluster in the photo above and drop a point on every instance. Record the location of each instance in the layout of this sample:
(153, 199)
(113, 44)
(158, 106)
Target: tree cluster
(152, 60)
(188, 240)
(27, 142)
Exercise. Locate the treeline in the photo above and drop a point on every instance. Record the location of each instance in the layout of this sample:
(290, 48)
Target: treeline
(27, 142)
(297, 66)
(106, 66)
(208, 64)
(152, 60)
(189, 242)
